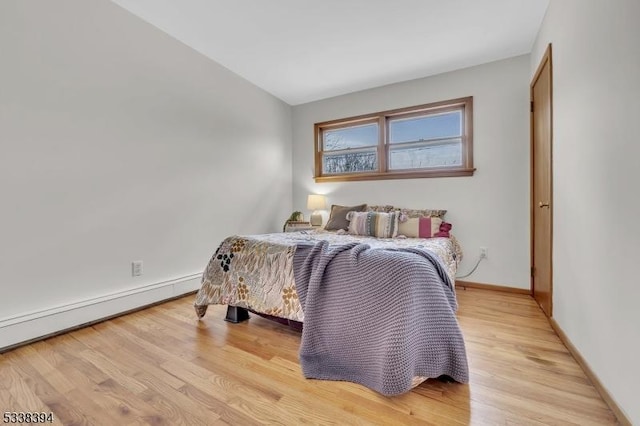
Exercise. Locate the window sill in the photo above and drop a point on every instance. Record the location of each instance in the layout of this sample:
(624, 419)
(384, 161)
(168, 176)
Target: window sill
(396, 175)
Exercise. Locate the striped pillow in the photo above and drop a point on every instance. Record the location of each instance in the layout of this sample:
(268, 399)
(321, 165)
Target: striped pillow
(424, 227)
(374, 224)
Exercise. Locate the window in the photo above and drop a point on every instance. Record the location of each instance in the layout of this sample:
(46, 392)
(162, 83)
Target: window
(433, 140)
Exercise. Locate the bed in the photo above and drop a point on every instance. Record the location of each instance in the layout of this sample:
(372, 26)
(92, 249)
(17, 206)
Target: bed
(375, 311)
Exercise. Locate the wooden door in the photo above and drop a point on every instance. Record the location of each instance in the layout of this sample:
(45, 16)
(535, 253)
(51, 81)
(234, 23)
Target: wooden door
(541, 184)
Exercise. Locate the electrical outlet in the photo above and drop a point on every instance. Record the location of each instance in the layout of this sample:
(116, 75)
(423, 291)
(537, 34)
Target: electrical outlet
(136, 268)
(484, 252)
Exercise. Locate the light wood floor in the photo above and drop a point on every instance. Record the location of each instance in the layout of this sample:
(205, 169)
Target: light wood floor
(162, 366)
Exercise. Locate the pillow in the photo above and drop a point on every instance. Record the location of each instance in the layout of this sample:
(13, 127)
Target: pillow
(411, 213)
(338, 216)
(386, 208)
(424, 227)
(374, 224)
(408, 212)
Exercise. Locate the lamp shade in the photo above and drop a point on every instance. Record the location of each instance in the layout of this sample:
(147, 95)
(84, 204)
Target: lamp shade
(316, 202)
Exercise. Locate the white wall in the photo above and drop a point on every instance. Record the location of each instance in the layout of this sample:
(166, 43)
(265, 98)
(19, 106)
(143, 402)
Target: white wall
(596, 69)
(120, 143)
(488, 209)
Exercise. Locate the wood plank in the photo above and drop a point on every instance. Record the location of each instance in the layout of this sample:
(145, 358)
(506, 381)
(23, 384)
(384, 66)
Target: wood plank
(164, 366)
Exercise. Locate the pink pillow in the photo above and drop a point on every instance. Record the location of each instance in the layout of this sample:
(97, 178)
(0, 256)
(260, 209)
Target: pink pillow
(424, 227)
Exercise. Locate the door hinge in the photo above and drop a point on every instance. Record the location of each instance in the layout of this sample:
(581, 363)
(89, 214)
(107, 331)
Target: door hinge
(531, 103)
(533, 272)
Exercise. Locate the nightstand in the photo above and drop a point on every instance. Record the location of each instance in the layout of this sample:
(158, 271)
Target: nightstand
(299, 226)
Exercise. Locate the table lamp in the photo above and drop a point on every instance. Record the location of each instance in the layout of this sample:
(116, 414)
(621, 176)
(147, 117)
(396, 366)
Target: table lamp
(316, 203)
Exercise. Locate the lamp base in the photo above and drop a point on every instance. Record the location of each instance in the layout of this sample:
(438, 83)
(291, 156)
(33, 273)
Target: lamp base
(315, 219)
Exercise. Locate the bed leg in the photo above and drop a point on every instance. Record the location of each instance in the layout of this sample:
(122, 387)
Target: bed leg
(446, 379)
(236, 314)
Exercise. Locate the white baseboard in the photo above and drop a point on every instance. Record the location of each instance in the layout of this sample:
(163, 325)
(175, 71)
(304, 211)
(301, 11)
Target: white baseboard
(25, 327)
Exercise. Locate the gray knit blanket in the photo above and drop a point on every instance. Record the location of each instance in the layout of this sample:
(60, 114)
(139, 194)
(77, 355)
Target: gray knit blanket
(377, 317)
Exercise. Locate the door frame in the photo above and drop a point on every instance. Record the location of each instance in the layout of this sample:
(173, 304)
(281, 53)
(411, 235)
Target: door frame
(546, 57)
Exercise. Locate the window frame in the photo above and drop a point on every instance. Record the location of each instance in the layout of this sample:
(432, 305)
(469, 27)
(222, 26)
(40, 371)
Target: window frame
(383, 119)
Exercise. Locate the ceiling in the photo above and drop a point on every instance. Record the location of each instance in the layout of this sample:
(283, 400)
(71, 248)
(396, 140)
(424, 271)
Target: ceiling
(303, 50)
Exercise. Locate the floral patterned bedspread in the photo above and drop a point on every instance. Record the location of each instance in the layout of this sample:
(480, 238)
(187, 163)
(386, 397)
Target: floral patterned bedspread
(256, 271)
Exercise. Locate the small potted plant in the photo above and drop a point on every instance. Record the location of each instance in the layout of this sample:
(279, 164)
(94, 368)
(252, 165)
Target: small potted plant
(295, 217)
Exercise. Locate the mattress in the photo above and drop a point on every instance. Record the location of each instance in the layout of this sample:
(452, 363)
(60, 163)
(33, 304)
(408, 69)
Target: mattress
(255, 272)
